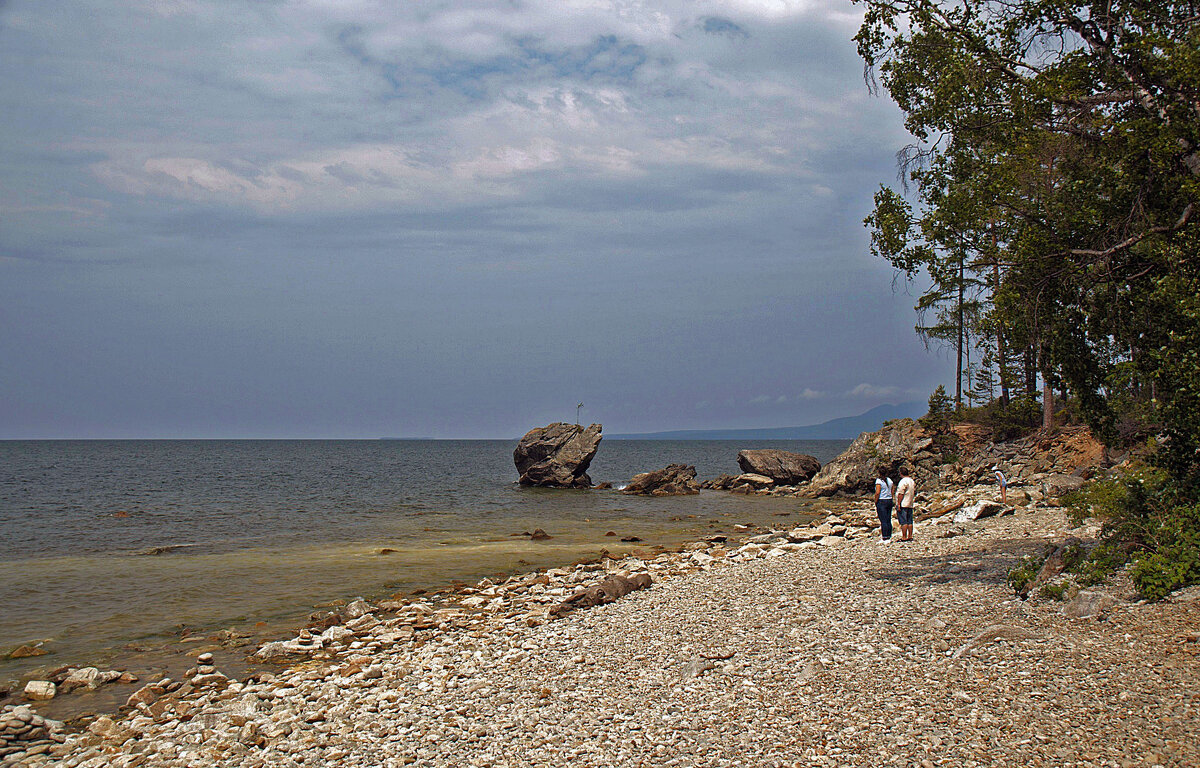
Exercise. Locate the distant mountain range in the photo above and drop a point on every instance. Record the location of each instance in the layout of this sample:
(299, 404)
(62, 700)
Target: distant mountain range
(845, 428)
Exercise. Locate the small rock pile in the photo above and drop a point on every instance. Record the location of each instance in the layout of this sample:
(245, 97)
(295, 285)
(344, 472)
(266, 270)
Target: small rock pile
(68, 679)
(25, 735)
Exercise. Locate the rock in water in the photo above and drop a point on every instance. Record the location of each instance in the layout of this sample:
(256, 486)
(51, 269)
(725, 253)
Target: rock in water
(672, 480)
(557, 455)
(784, 467)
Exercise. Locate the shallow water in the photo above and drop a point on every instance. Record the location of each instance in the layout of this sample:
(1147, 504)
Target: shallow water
(263, 531)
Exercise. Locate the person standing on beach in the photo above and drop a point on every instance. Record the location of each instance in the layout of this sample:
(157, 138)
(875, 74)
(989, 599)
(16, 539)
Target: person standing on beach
(906, 499)
(1003, 481)
(883, 503)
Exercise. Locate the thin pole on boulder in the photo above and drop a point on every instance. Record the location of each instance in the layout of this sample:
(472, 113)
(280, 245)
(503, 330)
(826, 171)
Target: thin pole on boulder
(578, 408)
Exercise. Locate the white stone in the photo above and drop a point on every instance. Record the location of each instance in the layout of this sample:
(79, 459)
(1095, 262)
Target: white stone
(40, 690)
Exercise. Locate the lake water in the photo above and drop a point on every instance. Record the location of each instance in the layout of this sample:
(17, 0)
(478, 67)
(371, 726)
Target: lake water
(107, 542)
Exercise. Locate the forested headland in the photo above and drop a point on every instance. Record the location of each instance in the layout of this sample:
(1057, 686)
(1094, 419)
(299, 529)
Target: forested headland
(1049, 204)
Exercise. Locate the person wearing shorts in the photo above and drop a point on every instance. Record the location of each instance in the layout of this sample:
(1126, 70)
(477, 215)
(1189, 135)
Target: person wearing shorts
(883, 504)
(1003, 482)
(906, 499)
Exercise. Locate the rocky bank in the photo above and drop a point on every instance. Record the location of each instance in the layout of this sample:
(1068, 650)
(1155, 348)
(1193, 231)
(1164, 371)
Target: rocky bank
(814, 646)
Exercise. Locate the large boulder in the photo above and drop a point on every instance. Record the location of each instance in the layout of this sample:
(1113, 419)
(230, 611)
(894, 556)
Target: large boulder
(978, 511)
(672, 480)
(784, 467)
(903, 441)
(557, 455)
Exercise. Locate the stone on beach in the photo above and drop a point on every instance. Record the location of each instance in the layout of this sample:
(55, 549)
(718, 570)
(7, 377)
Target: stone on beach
(557, 455)
(978, 510)
(613, 587)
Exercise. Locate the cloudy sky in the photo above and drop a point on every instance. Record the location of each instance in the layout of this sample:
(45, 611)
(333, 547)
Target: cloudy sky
(357, 218)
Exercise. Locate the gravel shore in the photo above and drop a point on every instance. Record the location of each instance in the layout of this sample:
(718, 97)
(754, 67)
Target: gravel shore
(836, 651)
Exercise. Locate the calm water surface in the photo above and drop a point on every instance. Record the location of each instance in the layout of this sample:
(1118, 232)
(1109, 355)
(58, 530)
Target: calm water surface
(105, 542)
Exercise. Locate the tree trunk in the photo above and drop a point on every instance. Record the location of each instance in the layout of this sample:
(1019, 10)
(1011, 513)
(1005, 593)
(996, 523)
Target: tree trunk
(1047, 402)
(959, 372)
(1001, 351)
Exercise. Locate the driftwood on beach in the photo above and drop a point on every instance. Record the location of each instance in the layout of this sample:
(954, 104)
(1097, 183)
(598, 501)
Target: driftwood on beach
(613, 587)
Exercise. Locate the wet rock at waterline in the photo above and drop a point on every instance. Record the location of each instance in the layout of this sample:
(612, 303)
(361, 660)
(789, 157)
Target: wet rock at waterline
(672, 480)
(784, 467)
(557, 455)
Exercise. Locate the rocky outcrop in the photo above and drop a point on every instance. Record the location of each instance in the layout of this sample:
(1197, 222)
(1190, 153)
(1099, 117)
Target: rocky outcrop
(853, 473)
(557, 455)
(784, 467)
(672, 480)
(1051, 462)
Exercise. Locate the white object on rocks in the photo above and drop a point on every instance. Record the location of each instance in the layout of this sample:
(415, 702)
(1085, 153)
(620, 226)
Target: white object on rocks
(84, 677)
(40, 690)
(357, 608)
(977, 511)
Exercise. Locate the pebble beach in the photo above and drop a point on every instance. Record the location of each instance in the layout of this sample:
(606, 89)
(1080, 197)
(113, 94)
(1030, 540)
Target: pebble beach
(791, 649)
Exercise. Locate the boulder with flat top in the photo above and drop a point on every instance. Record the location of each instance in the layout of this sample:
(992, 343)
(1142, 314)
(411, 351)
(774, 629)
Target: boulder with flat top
(557, 455)
(784, 467)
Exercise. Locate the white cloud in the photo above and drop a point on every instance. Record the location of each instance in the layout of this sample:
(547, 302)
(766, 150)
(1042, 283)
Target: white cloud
(460, 102)
(868, 391)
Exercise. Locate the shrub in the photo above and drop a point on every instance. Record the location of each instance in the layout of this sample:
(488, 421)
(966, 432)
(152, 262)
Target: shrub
(1147, 520)
(1055, 591)
(1101, 562)
(1018, 578)
(1173, 559)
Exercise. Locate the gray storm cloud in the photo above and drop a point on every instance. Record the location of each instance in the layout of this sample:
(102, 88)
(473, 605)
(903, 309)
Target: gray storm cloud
(448, 219)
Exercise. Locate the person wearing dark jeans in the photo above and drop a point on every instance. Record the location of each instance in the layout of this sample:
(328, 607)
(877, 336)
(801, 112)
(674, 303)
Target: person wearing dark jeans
(883, 504)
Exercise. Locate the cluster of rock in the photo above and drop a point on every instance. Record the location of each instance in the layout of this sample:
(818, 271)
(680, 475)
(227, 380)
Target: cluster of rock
(26, 735)
(557, 455)
(768, 472)
(1062, 459)
(69, 678)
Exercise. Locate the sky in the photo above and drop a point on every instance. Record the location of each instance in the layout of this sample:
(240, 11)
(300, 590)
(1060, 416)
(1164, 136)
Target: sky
(357, 218)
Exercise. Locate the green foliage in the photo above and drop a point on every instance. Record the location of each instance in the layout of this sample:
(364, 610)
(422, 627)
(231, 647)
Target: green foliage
(1148, 520)
(1050, 199)
(1021, 416)
(1018, 578)
(1173, 559)
(938, 422)
(1055, 591)
(1100, 563)
(941, 411)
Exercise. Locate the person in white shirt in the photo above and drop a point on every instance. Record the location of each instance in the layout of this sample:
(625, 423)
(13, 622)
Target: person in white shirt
(883, 503)
(1003, 481)
(906, 499)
